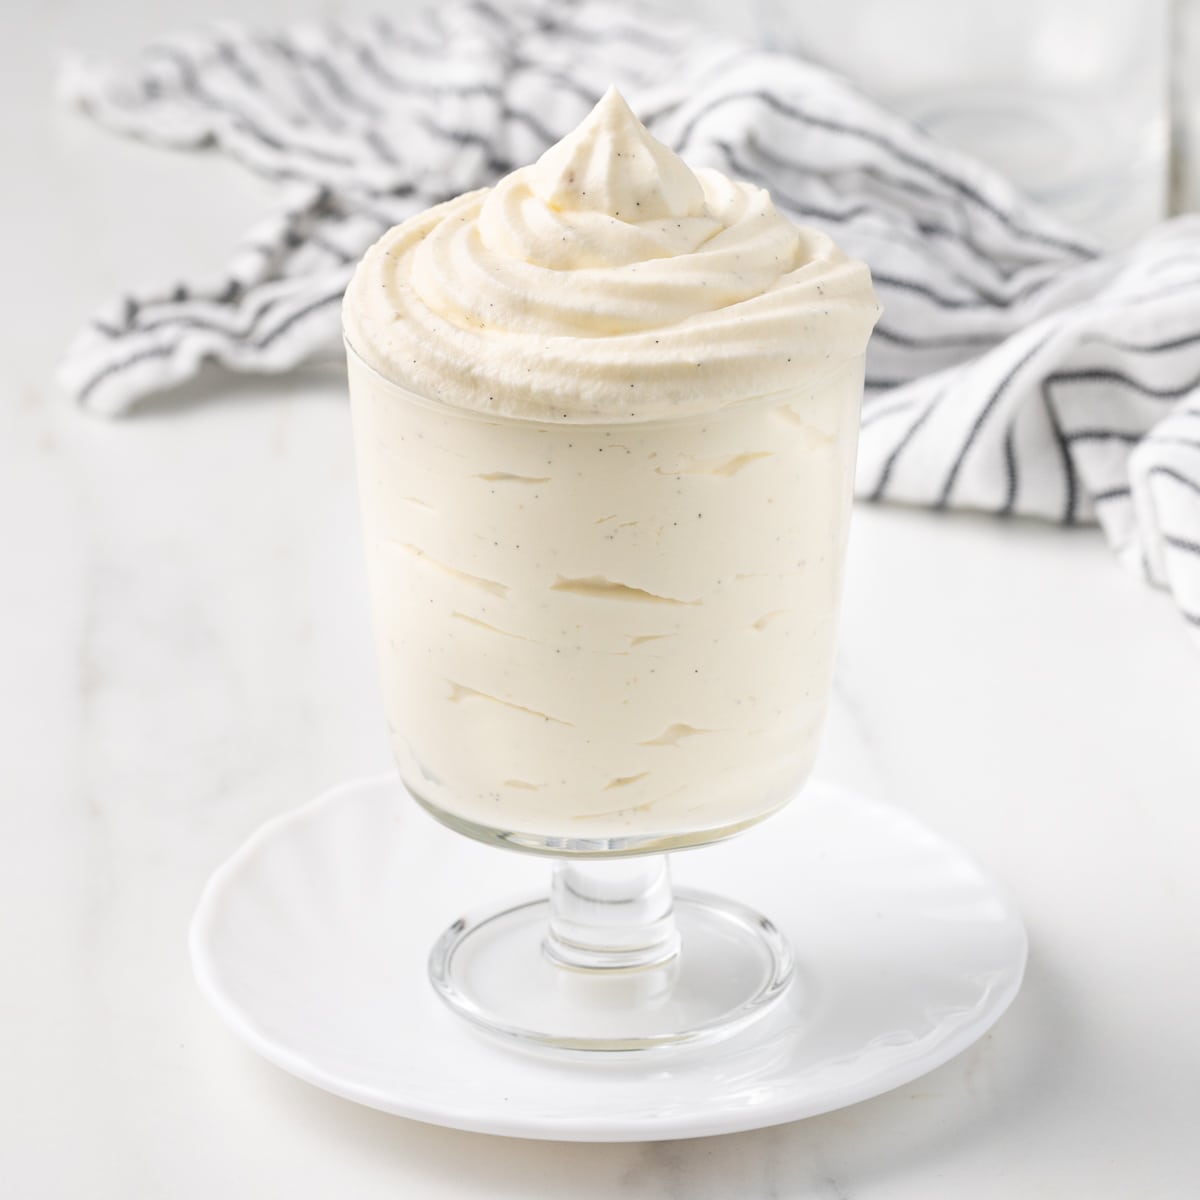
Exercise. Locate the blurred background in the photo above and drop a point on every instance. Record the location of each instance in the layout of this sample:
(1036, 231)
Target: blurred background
(1091, 107)
(1069, 98)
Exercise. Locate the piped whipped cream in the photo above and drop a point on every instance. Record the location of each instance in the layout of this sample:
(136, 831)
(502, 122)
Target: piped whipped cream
(595, 625)
(607, 281)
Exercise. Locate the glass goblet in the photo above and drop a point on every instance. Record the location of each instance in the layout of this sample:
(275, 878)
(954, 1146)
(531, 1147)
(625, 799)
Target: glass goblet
(600, 642)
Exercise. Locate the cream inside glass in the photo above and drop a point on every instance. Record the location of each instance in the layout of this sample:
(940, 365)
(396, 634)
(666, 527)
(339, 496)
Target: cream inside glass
(605, 418)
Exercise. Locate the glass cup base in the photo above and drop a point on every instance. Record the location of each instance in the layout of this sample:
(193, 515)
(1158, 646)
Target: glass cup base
(497, 971)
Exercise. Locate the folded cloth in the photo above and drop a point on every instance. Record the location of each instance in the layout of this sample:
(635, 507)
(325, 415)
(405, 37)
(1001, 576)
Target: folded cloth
(1016, 370)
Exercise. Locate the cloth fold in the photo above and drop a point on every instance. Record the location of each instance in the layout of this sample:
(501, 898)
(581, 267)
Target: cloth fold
(1016, 370)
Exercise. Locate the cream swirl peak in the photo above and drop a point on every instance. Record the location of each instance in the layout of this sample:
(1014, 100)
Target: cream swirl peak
(608, 281)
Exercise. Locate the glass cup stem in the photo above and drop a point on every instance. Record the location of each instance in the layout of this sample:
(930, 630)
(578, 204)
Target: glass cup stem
(612, 915)
(612, 960)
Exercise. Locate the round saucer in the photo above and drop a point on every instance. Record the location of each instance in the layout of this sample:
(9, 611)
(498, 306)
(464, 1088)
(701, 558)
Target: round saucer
(311, 942)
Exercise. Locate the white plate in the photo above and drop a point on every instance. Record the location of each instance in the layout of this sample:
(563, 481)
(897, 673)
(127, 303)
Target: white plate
(311, 943)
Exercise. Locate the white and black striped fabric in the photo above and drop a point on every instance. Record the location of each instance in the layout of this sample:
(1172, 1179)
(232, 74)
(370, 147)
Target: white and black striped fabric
(1015, 370)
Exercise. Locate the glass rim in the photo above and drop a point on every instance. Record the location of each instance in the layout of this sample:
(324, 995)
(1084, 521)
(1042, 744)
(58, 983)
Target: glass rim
(497, 418)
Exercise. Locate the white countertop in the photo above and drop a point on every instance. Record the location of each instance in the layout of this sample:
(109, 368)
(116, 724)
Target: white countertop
(185, 653)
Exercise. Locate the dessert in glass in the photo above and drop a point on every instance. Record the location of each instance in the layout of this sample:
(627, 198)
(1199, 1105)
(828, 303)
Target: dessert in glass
(605, 418)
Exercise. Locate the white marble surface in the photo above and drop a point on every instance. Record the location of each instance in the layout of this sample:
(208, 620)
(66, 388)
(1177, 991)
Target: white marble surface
(185, 653)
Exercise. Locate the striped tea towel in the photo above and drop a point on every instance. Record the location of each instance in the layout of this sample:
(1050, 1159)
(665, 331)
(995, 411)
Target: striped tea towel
(1015, 371)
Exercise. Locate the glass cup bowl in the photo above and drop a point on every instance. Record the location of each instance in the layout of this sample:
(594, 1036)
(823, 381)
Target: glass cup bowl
(600, 642)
